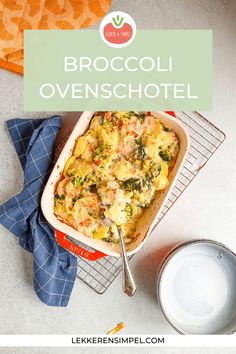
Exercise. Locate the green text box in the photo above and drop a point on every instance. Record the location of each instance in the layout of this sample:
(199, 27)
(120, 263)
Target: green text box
(189, 52)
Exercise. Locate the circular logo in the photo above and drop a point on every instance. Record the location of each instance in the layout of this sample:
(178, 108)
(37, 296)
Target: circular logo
(118, 29)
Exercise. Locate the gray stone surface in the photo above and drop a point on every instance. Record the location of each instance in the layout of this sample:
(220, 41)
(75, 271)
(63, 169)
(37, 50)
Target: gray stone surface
(207, 208)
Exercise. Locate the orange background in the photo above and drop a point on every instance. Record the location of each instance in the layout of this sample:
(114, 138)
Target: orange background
(18, 15)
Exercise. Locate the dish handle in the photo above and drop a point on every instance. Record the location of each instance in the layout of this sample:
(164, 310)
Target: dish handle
(171, 113)
(63, 241)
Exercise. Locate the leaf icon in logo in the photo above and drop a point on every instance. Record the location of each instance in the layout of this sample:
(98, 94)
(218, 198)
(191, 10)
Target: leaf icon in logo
(117, 21)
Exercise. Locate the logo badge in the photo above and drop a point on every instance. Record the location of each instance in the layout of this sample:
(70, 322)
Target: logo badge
(118, 29)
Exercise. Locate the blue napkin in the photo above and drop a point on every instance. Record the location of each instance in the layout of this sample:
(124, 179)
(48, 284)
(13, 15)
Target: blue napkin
(54, 268)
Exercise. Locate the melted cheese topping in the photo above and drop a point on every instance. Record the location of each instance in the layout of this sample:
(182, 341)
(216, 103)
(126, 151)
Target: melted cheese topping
(117, 168)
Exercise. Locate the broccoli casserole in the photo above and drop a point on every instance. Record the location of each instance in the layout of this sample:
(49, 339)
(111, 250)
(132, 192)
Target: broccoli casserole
(118, 166)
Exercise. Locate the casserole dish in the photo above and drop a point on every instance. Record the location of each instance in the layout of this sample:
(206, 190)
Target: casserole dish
(146, 222)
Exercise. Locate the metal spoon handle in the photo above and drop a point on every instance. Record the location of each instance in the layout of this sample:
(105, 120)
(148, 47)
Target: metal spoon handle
(129, 286)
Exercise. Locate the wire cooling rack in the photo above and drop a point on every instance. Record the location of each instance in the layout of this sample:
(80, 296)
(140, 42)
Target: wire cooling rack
(205, 139)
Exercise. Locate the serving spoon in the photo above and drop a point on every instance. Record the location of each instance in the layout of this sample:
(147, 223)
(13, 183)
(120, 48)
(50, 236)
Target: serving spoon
(128, 283)
(129, 286)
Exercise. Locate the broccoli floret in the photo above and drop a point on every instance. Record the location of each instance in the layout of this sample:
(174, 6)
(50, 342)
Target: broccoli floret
(114, 117)
(132, 184)
(77, 181)
(58, 203)
(59, 196)
(110, 119)
(111, 240)
(91, 179)
(166, 129)
(128, 210)
(140, 152)
(74, 200)
(170, 152)
(98, 151)
(140, 116)
(148, 184)
(165, 155)
(101, 151)
(152, 170)
(108, 239)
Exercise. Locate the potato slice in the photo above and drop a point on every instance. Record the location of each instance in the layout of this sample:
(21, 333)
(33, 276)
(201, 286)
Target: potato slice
(96, 122)
(100, 232)
(156, 128)
(80, 146)
(161, 182)
(80, 168)
(164, 168)
(69, 162)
